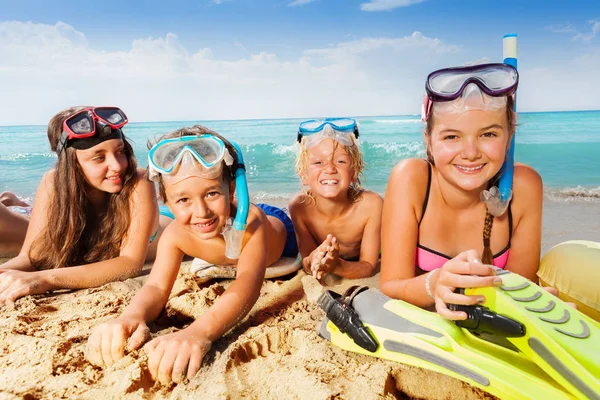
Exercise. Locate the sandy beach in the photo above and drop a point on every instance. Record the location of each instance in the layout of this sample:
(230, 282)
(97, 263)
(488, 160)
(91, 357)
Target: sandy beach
(274, 353)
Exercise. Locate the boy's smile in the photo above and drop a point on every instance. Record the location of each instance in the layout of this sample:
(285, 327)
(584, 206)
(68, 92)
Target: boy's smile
(329, 171)
(203, 205)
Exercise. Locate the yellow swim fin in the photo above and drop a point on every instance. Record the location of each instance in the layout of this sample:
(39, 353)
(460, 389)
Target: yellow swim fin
(411, 335)
(562, 341)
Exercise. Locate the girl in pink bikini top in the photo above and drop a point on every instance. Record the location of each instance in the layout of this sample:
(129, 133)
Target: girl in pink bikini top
(469, 125)
(427, 259)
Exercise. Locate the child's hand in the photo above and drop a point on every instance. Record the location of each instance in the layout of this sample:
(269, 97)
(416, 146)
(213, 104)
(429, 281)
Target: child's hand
(173, 356)
(463, 271)
(15, 284)
(108, 341)
(328, 259)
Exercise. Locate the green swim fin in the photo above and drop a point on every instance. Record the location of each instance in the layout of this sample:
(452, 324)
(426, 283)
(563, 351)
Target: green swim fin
(414, 336)
(562, 341)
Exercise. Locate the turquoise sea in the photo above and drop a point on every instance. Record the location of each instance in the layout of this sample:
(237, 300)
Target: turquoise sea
(564, 147)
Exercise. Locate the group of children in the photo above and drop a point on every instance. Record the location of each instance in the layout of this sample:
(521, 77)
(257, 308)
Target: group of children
(96, 213)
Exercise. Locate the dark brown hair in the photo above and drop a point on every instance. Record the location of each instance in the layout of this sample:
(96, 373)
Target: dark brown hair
(487, 256)
(197, 130)
(74, 233)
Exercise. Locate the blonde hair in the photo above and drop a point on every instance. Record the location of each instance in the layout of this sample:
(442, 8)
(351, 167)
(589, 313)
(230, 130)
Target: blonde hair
(357, 163)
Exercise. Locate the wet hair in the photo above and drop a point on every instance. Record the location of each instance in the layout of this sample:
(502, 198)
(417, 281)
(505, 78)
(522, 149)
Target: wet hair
(197, 130)
(74, 233)
(355, 190)
(487, 256)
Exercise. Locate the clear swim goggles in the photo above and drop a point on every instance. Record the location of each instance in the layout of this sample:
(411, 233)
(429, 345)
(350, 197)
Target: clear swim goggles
(481, 87)
(339, 129)
(180, 158)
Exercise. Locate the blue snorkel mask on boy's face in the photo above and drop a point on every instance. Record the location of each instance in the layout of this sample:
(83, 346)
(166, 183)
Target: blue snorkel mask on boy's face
(180, 158)
(340, 129)
(203, 156)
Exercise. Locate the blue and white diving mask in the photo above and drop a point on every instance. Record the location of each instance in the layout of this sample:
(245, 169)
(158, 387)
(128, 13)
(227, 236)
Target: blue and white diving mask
(340, 129)
(180, 158)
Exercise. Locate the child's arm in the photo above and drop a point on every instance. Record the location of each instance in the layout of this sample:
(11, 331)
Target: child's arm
(528, 194)
(170, 356)
(144, 217)
(108, 341)
(306, 243)
(37, 222)
(370, 244)
(400, 229)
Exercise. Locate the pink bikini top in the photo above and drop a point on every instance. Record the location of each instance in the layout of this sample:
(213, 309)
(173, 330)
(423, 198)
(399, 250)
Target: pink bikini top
(427, 259)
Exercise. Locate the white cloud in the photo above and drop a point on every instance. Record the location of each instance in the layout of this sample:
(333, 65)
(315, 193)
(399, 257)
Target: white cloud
(297, 3)
(587, 37)
(560, 28)
(45, 68)
(48, 67)
(384, 5)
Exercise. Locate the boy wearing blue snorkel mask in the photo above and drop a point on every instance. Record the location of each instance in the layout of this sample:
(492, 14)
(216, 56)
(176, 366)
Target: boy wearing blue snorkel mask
(337, 222)
(197, 171)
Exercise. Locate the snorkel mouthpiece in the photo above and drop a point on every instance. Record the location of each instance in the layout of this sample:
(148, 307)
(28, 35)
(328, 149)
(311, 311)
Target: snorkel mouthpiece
(234, 232)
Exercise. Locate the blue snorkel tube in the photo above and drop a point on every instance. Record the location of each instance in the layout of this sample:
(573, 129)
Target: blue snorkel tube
(509, 50)
(498, 198)
(234, 234)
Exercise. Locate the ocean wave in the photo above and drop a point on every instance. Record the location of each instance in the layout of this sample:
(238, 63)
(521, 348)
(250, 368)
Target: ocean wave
(25, 156)
(281, 149)
(412, 149)
(397, 121)
(577, 193)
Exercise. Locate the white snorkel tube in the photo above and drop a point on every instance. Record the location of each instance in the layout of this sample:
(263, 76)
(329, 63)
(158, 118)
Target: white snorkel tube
(498, 198)
(234, 233)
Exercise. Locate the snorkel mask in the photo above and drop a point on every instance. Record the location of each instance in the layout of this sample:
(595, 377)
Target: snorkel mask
(91, 126)
(340, 129)
(480, 87)
(203, 156)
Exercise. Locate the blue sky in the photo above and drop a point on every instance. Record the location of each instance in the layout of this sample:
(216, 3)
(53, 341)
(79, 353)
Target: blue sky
(233, 59)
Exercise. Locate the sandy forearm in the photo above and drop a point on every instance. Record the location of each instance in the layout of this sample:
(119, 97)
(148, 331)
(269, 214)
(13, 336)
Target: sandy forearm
(229, 309)
(92, 275)
(147, 304)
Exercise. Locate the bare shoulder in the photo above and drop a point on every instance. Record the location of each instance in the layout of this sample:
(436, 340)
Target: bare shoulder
(370, 201)
(526, 177)
(144, 188)
(411, 170)
(299, 203)
(528, 189)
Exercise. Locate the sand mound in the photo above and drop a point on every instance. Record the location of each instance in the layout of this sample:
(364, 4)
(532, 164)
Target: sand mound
(274, 353)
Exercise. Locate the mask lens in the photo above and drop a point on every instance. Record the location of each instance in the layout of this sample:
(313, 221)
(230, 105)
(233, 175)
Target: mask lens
(81, 123)
(112, 115)
(206, 151)
(210, 151)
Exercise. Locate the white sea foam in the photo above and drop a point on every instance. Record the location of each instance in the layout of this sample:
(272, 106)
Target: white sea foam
(411, 149)
(25, 156)
(281, 149)
(397, 121)
(573, 194)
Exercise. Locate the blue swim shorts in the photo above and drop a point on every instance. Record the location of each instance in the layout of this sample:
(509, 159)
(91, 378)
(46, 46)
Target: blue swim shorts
(291, 246)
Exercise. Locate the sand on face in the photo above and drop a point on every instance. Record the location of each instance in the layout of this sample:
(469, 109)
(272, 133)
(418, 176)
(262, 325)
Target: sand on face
(274, 353)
